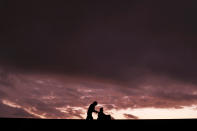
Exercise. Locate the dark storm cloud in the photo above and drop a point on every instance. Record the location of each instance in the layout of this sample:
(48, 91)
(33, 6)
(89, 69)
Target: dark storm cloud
(2, 94)
(102, 39)
(5, 79)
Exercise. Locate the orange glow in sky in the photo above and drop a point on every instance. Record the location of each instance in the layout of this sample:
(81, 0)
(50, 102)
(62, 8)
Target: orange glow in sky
(142, 113)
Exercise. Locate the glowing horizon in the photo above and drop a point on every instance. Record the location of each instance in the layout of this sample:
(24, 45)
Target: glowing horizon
(141, 113)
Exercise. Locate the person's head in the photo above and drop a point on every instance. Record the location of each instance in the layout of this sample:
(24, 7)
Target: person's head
(95, 103)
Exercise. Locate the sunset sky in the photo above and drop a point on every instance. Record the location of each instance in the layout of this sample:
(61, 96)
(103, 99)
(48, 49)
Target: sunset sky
(136, 58)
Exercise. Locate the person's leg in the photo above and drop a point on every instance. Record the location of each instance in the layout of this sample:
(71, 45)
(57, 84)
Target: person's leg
(89, 117)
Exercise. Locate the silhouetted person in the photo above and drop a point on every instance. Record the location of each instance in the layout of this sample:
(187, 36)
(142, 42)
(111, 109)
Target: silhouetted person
(90, 110)
(102, 116)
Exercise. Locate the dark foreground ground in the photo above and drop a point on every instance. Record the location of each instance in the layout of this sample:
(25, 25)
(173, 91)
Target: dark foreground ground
(20, 124)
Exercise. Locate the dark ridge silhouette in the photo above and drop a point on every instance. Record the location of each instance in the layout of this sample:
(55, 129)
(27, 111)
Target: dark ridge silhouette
(20, 124)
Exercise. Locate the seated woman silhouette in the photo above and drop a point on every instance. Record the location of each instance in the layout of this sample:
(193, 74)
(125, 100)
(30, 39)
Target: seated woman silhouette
(103, 116)
(91, 109)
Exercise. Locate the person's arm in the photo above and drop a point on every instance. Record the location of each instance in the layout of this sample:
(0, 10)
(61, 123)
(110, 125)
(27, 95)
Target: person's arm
(95, 111)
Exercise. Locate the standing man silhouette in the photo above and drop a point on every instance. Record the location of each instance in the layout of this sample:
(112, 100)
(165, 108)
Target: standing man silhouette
(90, 110)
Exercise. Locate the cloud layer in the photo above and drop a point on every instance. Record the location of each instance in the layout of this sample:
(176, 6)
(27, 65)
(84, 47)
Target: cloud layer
(61, 96)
